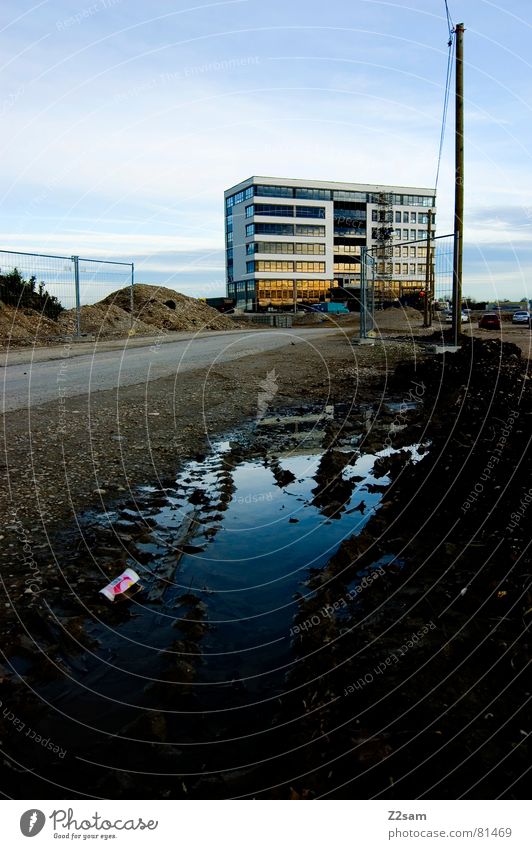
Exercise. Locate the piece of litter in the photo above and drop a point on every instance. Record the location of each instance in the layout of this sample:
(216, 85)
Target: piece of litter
(120, 584)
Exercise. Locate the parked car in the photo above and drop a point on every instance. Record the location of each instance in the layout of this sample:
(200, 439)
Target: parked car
(521, 317)
(449, 317)
(489, 321)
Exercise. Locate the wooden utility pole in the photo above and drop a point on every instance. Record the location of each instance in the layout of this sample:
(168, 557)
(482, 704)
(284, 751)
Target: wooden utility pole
(427, 321)
(458, 185)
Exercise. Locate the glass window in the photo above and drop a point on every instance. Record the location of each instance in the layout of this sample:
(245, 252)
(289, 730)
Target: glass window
(413, 216)
(274, 191)
(274, 247)
(282, 210)
(422, 268)
(397, 217)
(422, 234)
(248, 192)
(405, 234)
(398, 233)
(405, 217)
(249, 211)
(405, 267)
(355, 196)
(229, 253)
(412, 251)
(250, 248)
(313, 194)
(278, 229)
(303, 248)
(412, 234)
(421, 252)
(397, 251)
(310, 230)
(229, 237)
(404, 251)
(373, 215)
(397, 268)
(274, 265)
(412, 268)
(250, 267)
(310, 212)
(250, 229)
(316, 267)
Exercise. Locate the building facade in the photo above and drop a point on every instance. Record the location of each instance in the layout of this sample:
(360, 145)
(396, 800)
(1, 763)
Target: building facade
(292, 242)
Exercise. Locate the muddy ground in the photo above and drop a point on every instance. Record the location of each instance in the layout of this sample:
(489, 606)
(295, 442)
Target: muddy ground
(409, 647)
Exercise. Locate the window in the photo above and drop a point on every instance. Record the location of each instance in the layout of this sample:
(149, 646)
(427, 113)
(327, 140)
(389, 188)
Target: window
(248, 192)
(405, 234)
(412, 268)
(250, 248)
(397, 217)
(249, 211)
(404, 252)
(313, 194)
(274, 265)
(250, 229)
(397, 251)
(397, 268)
(303, 248)
(264, 228)
(353, 196)
(412, 251)
(373, 215)
(282, 210)
(310, 230)
(413, 216)
(422, 268)
(229, 253)
(310, 212)
(423, 218)
(398, 233)
(229, 237)
(422, 234)
(412, 234)
(316, 267)
(274, 247)
(274, 191)
(250, 267)
(405, 217)
(422, 253)
(405, 268)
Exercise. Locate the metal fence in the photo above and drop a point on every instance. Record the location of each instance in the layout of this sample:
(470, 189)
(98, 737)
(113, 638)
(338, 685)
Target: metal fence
(440, 277)
(75, 281)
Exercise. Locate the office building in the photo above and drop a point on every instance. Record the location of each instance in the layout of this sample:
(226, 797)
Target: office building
(291, 242)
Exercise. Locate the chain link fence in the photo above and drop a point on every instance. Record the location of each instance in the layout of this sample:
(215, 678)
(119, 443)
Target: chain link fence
(50, 284)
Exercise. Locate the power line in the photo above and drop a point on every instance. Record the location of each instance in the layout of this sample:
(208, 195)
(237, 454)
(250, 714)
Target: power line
(450, 59)
(449, 22)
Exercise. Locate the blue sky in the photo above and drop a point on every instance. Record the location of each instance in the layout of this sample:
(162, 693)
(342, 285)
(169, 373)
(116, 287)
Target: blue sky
(123, 122)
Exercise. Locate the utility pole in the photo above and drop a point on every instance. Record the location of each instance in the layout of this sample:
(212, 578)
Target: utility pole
(458, 185)
(428, 304)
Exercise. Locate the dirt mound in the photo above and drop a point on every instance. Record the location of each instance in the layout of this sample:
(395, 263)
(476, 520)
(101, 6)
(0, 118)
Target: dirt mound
(167, 309)
(102, 319)
(397, 318)
(23, 325)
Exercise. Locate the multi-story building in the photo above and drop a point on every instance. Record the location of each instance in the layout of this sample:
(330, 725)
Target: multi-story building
(292, 241)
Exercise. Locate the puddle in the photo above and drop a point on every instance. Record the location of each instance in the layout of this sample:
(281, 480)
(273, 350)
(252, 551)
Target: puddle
(223, 556)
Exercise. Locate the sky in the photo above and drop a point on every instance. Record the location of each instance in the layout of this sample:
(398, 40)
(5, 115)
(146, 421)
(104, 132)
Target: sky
(124, 121)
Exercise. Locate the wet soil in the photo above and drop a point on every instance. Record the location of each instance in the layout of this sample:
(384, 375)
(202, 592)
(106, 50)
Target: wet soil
(362, 632)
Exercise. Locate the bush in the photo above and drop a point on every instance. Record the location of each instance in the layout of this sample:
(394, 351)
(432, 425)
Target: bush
(17, 292)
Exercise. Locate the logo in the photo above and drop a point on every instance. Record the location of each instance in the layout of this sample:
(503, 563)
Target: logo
(32, 822)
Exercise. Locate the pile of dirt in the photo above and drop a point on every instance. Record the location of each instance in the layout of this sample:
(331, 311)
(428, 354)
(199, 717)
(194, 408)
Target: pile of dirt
(23, 325)
(156, 309)
(397, 318)
(102, 320)
(166, 309)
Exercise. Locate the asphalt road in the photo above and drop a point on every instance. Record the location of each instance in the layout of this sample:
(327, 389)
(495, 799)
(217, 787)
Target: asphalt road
(31, 383)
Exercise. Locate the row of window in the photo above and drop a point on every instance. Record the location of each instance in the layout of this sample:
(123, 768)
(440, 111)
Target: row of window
(264, 228)
(284, 265)
(318, 285)
(401, 217)
(407, 235)
(347, 249)
(346, 266)
(326, 194)
(284, 211)
(284, 248)
(401, 268)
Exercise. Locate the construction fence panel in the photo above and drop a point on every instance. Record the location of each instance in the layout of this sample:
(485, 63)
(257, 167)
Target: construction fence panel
(33, 281)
